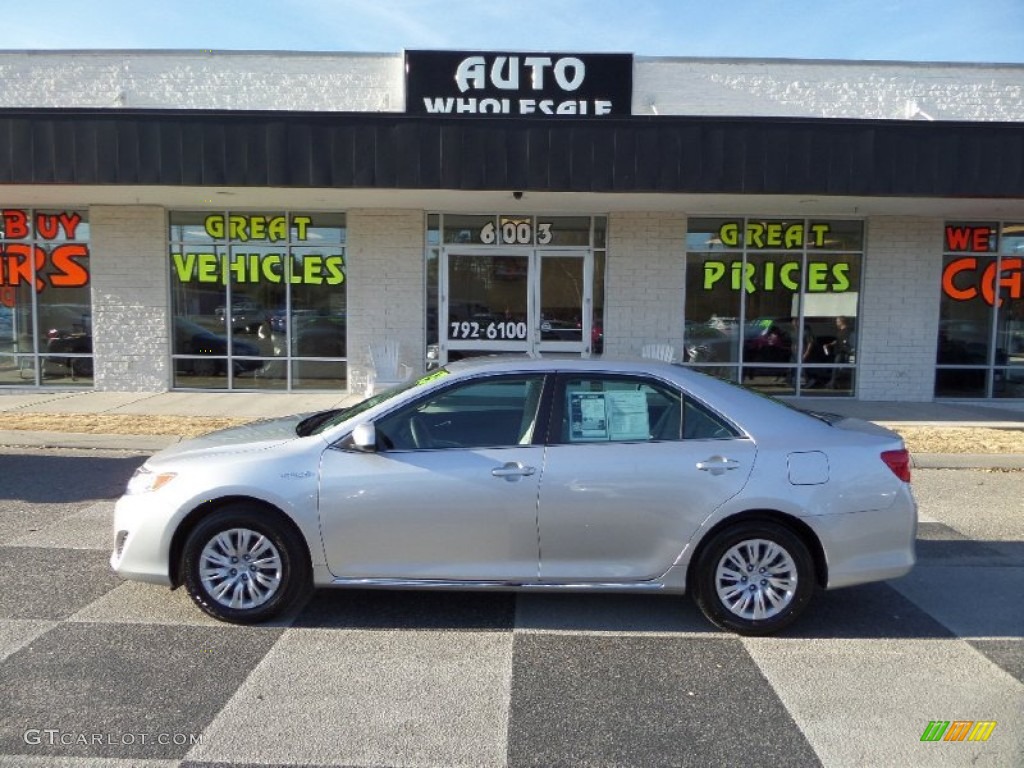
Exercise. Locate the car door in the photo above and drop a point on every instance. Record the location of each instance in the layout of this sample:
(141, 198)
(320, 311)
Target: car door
(450, 494)
(633, 468)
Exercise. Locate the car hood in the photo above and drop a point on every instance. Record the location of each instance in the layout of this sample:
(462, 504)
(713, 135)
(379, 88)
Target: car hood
(257, 436)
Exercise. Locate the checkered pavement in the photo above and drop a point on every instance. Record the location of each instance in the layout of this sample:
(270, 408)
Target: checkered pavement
(99, 672)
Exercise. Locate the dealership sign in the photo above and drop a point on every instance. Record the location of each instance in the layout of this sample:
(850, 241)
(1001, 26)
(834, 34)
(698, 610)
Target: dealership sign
(302, 267)
(968, 277)
(538, 85)
(34, 251)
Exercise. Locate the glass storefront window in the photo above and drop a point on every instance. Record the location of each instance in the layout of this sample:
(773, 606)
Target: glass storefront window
(774, 302)
(980, 351)
(466, 229)
(45, 298)
(259, 300)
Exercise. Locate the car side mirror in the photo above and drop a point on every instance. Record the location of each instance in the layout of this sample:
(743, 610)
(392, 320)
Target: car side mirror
(364, 438)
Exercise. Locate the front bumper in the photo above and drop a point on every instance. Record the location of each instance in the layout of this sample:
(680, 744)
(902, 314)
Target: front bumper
(142, 539)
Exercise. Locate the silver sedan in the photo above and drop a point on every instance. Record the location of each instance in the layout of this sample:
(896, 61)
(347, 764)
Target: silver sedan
(525, 474)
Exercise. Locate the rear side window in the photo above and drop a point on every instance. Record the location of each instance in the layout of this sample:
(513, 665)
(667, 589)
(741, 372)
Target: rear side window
(700, 423)
(610, 408)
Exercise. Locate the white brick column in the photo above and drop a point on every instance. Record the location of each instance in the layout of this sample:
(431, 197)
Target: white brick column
(899, 312)
(130, 294)
(645, 283)
(385, 274)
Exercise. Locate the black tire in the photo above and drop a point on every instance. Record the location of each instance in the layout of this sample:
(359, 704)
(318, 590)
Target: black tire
(748, 552)
(277, 578)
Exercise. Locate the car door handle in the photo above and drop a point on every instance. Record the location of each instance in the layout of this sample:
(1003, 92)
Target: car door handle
(716, 465)
(512, 471)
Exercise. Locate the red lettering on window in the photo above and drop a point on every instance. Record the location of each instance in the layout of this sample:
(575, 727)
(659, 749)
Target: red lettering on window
(15, 224)
(1009, 277)
(69, 273)
(972, 239)
(17, 264)
(47, 226)
(70, 222)
(949, 274)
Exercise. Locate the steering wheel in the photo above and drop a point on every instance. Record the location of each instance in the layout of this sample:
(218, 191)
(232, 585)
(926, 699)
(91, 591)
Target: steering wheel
(420, 433)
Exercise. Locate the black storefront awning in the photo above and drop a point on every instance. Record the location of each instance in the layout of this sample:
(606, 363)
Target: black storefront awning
(696, 155)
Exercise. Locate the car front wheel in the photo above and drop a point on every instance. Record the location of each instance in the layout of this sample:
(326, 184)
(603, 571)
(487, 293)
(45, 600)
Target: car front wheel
(243, 565)
(754, 578)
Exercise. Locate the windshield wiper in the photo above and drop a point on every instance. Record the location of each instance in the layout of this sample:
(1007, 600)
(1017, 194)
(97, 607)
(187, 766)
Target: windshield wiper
(309, 425)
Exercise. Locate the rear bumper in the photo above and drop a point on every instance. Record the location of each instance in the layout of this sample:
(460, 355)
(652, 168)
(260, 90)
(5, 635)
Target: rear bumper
(872, 545)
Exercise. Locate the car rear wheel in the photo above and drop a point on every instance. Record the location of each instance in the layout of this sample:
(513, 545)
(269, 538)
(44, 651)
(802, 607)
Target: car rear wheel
(754, 578)
(243, 565)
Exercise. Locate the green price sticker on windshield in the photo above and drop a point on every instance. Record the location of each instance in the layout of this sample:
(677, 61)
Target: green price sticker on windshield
(440, 373)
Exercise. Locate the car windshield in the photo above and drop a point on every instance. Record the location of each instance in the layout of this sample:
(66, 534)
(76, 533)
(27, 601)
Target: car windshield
(318, 423)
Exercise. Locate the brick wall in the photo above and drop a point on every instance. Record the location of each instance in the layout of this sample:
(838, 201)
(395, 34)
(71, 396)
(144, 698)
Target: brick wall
(645, 281)
(199, 80)
(386, 297)
(375, 83)
(840, 89)
(899, 320)
(130, 294)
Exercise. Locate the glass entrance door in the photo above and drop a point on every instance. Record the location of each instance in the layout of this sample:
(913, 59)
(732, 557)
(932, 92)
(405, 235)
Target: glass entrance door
(523, 301)
(564, 280)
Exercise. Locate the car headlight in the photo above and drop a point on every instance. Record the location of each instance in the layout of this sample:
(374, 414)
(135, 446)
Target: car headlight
(145, 480)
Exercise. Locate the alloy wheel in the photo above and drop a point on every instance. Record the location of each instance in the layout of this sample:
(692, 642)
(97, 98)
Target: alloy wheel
(240, 568)
(756, 579)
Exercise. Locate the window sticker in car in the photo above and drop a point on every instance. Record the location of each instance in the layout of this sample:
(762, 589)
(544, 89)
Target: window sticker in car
(588, 418)
(604, 416)
(433, 376)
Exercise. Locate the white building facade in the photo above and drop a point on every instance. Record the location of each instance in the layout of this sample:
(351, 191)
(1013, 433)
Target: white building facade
(260, 221)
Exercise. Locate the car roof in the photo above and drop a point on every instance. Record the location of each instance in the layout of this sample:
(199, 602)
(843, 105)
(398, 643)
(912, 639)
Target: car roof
(692, 379)
(749, 409)
(548, 363)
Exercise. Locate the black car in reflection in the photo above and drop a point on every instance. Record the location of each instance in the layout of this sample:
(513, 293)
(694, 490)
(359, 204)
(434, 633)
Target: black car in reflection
(247, 315)
(61, 341)
(210, 350)
(315, 335)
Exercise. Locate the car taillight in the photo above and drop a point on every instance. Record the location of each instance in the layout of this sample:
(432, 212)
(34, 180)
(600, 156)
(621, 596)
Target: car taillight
(899, 463)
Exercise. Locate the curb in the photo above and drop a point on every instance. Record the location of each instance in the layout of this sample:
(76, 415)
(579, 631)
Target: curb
(86, 441)
(967, 460)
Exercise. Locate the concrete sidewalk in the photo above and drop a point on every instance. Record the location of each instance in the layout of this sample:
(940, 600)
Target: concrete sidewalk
(257, 405)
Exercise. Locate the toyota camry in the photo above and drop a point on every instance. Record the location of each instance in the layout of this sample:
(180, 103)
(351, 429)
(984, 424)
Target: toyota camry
(529, 474)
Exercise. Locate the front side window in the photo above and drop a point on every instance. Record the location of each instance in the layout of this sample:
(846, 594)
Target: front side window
(774, 302)
(609, 409)
(980, 351)
(494, 412)
(259, 300)
(45, 298)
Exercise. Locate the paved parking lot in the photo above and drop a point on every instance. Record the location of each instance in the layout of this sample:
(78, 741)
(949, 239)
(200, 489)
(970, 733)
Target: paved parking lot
(99, 672)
